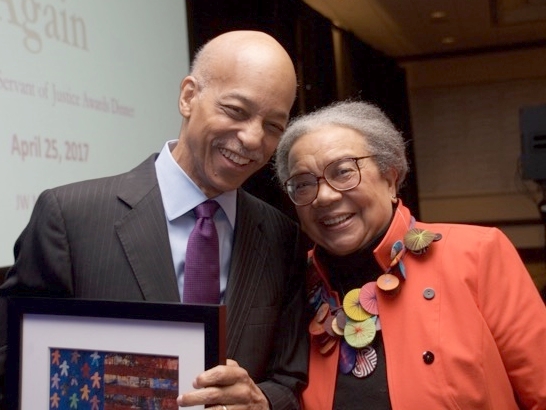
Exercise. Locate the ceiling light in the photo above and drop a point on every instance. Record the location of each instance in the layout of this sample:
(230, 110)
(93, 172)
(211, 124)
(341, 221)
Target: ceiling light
(448, 40)
(438, 15)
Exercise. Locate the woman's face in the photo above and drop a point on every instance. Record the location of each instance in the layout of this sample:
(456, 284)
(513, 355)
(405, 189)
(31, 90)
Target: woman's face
(342, 222)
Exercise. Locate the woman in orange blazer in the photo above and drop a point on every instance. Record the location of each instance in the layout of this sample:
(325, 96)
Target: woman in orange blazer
(404, 314)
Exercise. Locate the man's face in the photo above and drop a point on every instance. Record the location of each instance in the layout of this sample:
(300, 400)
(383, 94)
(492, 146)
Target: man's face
(232, 126)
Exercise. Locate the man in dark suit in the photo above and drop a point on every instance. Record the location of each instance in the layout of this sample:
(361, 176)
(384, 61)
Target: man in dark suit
(125, 237)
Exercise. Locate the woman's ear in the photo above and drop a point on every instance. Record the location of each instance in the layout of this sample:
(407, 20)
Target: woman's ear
(391, 176)
(188, 91)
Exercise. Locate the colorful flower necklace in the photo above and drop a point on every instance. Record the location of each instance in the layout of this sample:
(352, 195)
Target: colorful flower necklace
(355, 323)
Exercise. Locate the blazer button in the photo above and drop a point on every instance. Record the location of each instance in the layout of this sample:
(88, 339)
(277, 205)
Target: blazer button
(428, 357)
(429, 293)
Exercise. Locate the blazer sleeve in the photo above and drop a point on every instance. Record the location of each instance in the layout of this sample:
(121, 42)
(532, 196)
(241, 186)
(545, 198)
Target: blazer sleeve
(516, 316)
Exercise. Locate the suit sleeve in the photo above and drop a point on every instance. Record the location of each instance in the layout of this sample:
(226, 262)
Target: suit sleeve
(42, 264)
(290, 351)
(516, 316)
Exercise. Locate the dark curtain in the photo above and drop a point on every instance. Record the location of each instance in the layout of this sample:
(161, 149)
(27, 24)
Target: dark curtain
(315, 60)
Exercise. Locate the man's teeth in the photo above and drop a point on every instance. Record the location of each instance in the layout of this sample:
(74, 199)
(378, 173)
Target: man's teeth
(234, 157)
(336, 220)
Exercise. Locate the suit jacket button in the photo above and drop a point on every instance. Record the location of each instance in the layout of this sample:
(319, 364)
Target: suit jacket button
(428, 357)
(429, 293)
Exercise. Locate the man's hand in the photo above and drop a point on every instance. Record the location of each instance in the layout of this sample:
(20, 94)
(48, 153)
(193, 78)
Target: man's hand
(225, 387)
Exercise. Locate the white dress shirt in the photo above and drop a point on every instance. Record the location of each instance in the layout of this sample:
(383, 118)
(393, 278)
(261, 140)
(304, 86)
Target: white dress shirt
(180, 195)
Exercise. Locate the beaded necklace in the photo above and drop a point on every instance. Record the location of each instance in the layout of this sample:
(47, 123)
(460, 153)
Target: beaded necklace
(355, 323)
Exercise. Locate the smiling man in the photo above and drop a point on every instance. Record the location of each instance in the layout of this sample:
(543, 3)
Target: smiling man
(236, 104)
(125, 237)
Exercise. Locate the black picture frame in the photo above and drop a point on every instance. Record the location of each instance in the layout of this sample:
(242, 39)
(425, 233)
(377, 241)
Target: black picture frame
(141, 326)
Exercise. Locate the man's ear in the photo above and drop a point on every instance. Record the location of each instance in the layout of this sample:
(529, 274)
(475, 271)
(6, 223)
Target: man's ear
(188, 91)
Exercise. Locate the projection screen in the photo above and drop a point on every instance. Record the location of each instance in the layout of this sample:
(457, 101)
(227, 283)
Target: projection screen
(87, 89)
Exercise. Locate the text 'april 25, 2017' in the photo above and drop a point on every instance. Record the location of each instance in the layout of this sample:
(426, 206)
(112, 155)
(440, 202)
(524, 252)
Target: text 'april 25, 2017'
(48, 148)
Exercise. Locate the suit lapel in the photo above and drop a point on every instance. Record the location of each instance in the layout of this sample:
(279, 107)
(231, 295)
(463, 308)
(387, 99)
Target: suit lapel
(143, 234)
(247, 265)
(144, 237)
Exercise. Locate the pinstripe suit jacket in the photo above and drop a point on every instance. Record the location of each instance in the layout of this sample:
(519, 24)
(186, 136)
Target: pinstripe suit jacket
(107, 239)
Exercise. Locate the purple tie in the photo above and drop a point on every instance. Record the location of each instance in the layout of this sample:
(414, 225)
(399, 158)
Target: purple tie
(202, 270)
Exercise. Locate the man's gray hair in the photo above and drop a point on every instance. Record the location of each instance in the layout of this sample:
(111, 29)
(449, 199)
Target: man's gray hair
(382, 138)
(201, 65)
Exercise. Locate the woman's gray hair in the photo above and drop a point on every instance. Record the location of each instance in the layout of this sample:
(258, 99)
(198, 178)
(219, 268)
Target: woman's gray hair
(384, 141)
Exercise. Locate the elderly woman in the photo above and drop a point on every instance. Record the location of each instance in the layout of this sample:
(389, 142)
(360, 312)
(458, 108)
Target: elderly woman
(405, 315)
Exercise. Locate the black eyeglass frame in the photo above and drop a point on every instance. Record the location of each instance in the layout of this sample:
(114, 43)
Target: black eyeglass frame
(318, 178)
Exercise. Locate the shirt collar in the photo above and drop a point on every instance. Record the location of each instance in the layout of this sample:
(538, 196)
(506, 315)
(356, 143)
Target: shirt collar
(180, 194)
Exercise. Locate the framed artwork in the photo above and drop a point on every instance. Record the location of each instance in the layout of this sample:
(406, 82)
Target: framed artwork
(100, 355)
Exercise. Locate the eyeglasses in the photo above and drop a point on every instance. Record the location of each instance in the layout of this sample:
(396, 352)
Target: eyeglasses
(342, 175)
